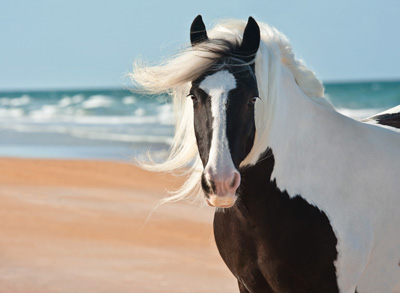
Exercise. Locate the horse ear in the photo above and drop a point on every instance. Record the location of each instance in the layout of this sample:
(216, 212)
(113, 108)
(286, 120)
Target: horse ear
(198, 31)
(251, 40)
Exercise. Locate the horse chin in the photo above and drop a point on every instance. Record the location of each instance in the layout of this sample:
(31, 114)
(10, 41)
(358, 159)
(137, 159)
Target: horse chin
(218, 201)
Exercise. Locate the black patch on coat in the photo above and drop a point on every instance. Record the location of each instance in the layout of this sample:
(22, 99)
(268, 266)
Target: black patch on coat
(203, 120)
(392, 119)
(275, 243)
(240, 124)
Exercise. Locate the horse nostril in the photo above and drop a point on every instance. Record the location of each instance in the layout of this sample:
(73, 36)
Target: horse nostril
(221, 184)
(207, 184)
(235, 180)
(211, 185)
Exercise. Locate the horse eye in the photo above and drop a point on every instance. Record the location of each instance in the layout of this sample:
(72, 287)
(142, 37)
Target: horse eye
(253, 101)
(194, 98)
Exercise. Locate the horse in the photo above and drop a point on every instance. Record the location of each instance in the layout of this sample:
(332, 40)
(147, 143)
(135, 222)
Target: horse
(307, 199)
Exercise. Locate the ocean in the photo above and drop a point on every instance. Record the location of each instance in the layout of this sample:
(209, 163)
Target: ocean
(116, 124)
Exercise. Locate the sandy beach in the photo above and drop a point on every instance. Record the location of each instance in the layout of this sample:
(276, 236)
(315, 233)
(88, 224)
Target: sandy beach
(78, 226)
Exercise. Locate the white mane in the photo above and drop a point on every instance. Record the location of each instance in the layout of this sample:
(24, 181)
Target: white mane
(175, 76)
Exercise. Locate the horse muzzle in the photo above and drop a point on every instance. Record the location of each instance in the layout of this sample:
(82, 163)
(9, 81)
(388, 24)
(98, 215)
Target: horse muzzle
(221, 188)
(221, 201)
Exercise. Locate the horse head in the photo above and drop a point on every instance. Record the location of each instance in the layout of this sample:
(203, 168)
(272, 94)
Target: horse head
(224, 98)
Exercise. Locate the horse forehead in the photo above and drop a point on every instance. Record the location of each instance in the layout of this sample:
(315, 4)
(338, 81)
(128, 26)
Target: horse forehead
(218, 83)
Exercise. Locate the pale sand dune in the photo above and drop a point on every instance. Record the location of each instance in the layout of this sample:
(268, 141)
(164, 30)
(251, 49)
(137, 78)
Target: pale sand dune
(75, 226)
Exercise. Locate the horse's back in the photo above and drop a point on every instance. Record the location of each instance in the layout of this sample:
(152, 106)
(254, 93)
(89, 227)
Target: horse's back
(382, 272)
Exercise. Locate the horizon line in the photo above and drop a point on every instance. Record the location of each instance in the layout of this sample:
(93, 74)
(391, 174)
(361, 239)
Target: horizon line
(131, 89)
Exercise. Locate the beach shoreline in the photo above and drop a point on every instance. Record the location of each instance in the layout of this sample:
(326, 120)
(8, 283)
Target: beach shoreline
(79, 226)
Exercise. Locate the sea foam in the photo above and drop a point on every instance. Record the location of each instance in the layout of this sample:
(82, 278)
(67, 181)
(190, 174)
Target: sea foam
(119, 117)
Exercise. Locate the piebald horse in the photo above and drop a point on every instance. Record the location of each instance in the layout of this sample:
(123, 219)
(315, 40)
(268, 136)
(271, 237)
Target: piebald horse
(307, 200)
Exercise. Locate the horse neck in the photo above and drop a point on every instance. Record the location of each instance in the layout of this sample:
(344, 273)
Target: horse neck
(297, 125)
(298, 120)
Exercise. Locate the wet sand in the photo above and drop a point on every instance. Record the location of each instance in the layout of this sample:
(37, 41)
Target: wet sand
(77, 226)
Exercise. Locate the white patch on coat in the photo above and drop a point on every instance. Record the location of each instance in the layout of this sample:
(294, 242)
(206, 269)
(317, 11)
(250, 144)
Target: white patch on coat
(350, 171)
(218, 86)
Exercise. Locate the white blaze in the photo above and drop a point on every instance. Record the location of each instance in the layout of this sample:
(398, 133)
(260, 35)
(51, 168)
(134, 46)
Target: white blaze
(218, 86)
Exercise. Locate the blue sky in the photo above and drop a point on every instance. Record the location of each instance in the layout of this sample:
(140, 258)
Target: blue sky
(84, 44)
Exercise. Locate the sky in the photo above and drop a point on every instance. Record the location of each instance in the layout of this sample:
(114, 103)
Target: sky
(57, 44)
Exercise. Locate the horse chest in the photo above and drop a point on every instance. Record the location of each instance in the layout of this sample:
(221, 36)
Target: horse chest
(277, 244)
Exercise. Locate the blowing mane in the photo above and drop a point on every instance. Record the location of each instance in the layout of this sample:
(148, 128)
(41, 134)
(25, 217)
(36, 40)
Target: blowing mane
(174, 76)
